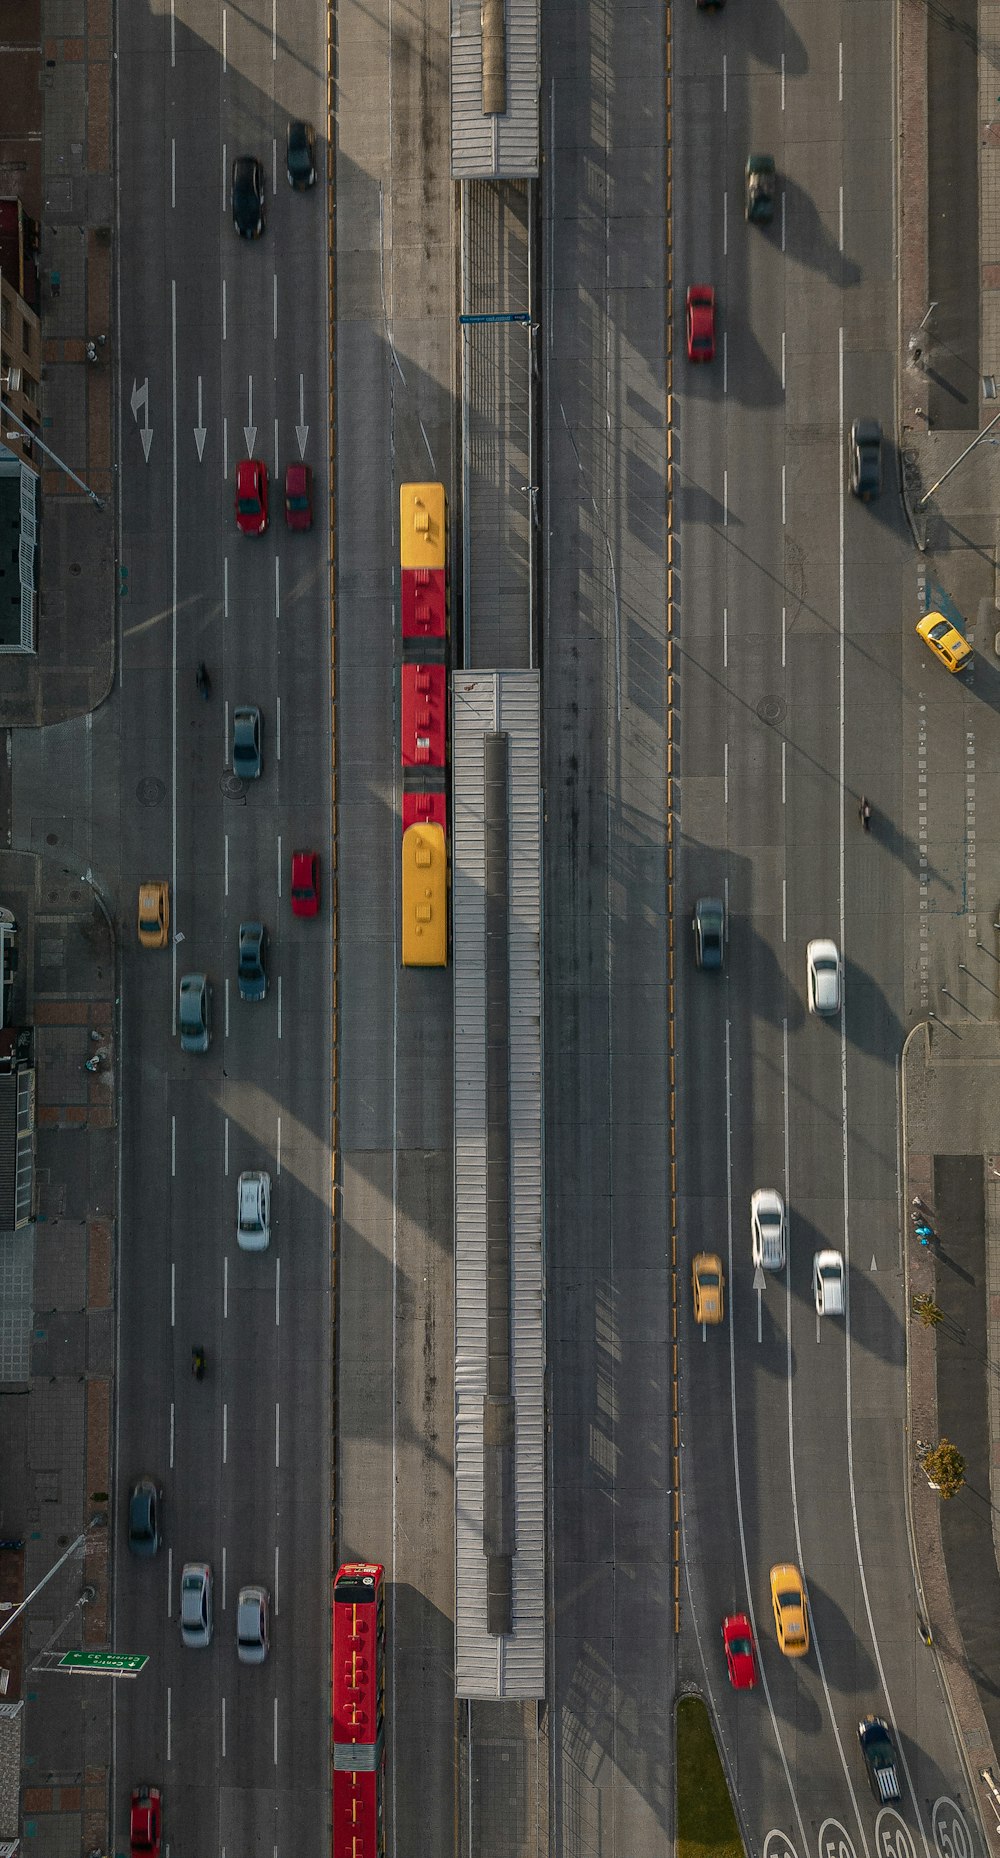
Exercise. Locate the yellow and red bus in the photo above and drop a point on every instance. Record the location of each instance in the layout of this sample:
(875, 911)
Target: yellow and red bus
(425, 896)
(423, 526)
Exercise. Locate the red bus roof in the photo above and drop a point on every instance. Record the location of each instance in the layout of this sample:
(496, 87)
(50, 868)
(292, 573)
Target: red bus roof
(357, 1814)
(358, 1659)
(418, 808)
(424, 603)
(424, 703)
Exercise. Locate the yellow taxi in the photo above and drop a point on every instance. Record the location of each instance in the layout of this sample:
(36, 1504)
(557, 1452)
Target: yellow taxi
(707, 1284)
(945, 641)
(154, 913)
(791, 1621)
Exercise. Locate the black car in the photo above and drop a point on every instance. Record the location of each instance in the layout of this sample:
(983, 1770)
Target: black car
(145, 1527)
(709, 925)
(248, 196)
(880, 1758)
(300, 160)
(759, 205)
(252, 972)
(866, 459)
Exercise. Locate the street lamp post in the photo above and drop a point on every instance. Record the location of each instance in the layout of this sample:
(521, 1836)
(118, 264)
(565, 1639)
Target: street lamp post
(96, 1522)
(980, 436)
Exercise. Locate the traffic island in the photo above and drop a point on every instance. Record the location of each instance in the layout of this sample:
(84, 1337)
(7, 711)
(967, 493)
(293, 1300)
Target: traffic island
(706, 1822)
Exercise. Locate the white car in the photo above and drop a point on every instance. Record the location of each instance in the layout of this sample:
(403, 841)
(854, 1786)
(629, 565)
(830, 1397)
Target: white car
(253, 1211)
(823, 977)
(767, 1224)
(828, 1283)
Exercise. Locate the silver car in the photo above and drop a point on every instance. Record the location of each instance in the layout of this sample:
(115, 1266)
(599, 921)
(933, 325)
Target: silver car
(253, 1211)
(247, 757)
(253, 1636)
(196, 1605)
(823, 977)
(767, 1227)
(194, 1013)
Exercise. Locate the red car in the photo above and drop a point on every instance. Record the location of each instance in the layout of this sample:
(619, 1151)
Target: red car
(305, 884)
(701, 322)
(251, 496)
(144, 1824)
(737, 1639)
(299, 496)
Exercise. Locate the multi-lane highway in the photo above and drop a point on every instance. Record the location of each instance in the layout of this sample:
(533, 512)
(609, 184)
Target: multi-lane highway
(797, 674)
(224, 354)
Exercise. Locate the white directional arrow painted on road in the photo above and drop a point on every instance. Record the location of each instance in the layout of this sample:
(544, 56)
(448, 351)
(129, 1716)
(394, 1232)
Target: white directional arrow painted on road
(873, 1266)
(200, 433)
(250, 430)
(140, 398)
(302, 430)
(759, 1282)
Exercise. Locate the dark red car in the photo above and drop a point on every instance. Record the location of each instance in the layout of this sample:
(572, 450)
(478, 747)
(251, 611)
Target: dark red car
(299, 496)
(701, 322)
(737, 1638)
(305, 883)
(144, 1823)
(251, 496)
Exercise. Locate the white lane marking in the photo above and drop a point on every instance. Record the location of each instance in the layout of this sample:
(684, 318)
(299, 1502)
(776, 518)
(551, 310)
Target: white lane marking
(277, 586)
(225, 732)
(277, 1158)
(279, 867)
(225, 868)
(777, 1844)
(225, 39)
(173, 62)
(170, 1725)
(725, 361)
(225, 171)
(782, 219)
(225, 586)
(225, 1145)
(223, 1728)
(275, 1731)
(782, 361)
(782, 80)
(279, 997)
(274, 49)
(227, 1006)
(225, 1287)
(277, 1293)
(173, 1146)
(170, 1582)
(725, 499)
(848, 1364)
(225, 1573)
(796, 1523)
(784, 635)
(274, 315)
(173, 1433)
(783, 503)
(173, 173)
(842, 1846)
(225, 1431)
(277, 1434)
(277, 728)
(725, 638)
(725, 222)
(725, 84)
(225, 448)
(840, 72)
(277, 1584)
(784, 772)
(962, 1846)
(840, 232)
(736, 1455)
(276, 451)
(225, 311)
(784, 910)
(893, 1836)
(725, 773)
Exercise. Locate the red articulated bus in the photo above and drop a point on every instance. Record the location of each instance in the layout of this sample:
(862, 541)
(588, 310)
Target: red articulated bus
(423, 715)
(359, 1710)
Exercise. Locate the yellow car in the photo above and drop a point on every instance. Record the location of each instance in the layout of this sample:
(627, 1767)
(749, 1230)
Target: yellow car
(791, 1621)
(154, 913)
(707, 1284)
(945, 641)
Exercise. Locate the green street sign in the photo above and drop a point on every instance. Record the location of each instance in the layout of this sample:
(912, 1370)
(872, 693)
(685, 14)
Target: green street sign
(113, 1664)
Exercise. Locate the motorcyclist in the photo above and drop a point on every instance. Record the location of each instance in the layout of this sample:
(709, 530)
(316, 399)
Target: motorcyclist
(198, 1363)
(865, 813)
(203, 680)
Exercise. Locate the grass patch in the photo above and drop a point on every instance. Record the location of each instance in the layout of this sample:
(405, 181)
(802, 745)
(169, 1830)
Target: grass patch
(706, 1823)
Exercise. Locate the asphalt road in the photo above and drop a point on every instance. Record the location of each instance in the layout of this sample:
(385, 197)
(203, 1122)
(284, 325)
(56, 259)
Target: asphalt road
(798, 671)
(223, 353)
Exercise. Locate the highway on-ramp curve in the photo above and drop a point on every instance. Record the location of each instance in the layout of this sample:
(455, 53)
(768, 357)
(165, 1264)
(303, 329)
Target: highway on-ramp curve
(794, 627)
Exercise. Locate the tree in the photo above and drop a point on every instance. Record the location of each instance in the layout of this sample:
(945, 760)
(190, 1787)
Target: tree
(945, 1468)
(924, 1306)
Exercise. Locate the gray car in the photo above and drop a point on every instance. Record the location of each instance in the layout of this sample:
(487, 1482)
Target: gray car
(709, 925)
(252, 972)
(194, 1013)
(145, 1527)
(247, 759)
(252, 1625)
(196, 1605)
